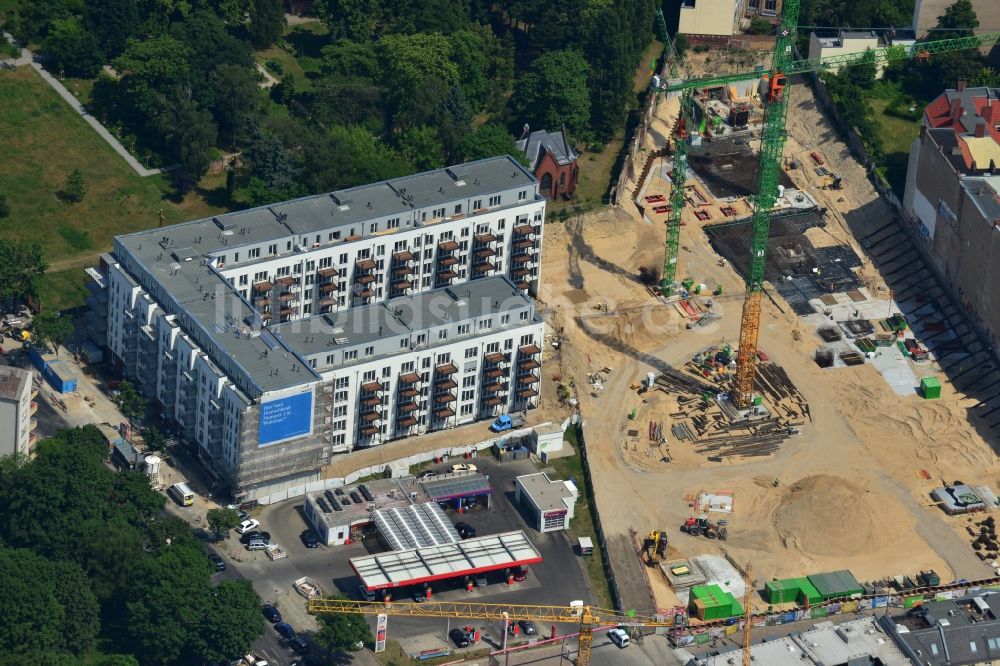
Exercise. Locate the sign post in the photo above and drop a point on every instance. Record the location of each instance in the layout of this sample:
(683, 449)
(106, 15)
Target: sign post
(381, 625)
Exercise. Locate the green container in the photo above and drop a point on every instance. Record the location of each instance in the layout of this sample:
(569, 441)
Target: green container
(808, 594)
(782, 591)
(711, 602)
(930, 388)
(836, 584)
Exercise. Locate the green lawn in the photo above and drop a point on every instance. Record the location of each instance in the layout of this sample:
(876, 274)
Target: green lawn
(582, 524)
(44, 140)
(897, 135)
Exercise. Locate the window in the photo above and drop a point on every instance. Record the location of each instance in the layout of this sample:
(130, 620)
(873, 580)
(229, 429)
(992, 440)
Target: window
(393, 223)
(343, 382)
(243, 280)
(406, 367)
(471, 352)
(425, 363)
(372, 228)
(466, 410)
(351, 355)
(501, 224)
(492, 347)
(485, 324)
(477, 204)
(495, 200)
(254, 253)
(468, 395)
(368, 376)
(523, 315)
(522, 195)
(463, 329)
(443, 334)
(260, 276)
(504, 319)
(312, 363)
(421, 338)
(343, 259)
(527, 340)
(340, 410)
(340, 396)
(369, 351)
(468, 382)
(438, 212)
(380, 252)
(386, 371)
(458, 208)
(272, 249)
(404, 343)
(310, 279)
(329, 359)
(310, 265)
(326, 262)
(307, 309)
(339, 425)
(283, 271)
(236, 257)
(443, 358)
(508, 344)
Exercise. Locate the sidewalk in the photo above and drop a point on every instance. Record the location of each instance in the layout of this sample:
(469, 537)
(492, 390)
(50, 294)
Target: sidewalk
(28, 58)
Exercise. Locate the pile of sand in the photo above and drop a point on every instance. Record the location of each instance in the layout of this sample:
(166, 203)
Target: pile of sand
(829, 516)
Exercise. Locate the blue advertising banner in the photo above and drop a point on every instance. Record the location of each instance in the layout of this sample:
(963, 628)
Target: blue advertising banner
(286, 418)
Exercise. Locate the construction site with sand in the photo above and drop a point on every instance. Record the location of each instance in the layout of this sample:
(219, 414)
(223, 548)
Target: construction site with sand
(835, 465)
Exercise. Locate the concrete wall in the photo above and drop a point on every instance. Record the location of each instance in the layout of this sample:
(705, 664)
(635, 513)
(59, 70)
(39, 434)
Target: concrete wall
(709, 17)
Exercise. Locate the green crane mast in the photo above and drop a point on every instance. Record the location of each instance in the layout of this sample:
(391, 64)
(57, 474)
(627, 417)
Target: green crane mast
(774, 97)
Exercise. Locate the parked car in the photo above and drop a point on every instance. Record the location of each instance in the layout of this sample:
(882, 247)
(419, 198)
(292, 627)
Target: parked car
(618, 637)
(464, 467)
(271, 614)
(299, 644)
(419, 596)
(310, 539)
(481, 580)
(429, 474)
(459, 638)
(258, 544)
(217, 562)
(519, 574)
(256, 534)
(528, 627)
(285, 630)
(465, 530)
(248, 525)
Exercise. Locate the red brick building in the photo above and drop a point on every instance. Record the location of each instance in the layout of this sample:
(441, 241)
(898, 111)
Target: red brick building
(552, 159)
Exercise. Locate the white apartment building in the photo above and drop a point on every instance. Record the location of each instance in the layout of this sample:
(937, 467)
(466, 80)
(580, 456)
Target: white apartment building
(843, 42)
(17, 409)
(263, 333)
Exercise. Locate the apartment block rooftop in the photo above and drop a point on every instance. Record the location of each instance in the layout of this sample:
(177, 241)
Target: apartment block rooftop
(12, 382)
(180, 266)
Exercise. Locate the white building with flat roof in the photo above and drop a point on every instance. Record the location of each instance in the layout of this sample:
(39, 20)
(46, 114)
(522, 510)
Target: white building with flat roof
(17, 409)
(282, 335)
(550, 503)
(843, 42)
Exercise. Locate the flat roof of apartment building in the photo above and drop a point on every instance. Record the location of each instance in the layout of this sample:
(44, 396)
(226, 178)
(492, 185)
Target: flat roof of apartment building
(13, 381)
(179, 265)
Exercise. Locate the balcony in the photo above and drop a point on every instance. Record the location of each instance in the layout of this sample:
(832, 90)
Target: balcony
(485, 238)
(403, 271)
(446, 369)
(371, 417)
(495, 357)
(522, 284)
(529, 350)
(407, 407)
(493, 373)
(406, 422)
(444, 398)
(444, 412)
(409, 378)
(526, 393)
(372, 387)
(34, 406)
(523, 243)
(370, 430)
(365, 265)
(262, 287)
(445, 383)
(329, 287)
(328, 302)
(446, 275)
(327, 273)
(403, 256)
(285, 281)
(408, 393)
(450, 260)
(528, 364)
(525, 229)
(520, 272)
(493, 401)
(527, 378)
(261, 301)
(372, 401)
(367, 278)
(519, 259)
(484, 253)
(286, 297)
(447, 246)
(495, 387)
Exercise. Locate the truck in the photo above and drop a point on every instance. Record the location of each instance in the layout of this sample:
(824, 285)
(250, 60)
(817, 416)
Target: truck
(507, 422)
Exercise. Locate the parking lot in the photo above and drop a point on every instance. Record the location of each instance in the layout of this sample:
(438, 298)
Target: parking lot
(557, 580)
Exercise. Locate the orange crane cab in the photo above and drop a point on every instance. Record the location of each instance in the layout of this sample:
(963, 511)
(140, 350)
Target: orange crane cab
(772, 88)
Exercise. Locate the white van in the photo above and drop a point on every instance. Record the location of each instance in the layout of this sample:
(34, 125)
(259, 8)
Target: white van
(618, 637)
(181, 494)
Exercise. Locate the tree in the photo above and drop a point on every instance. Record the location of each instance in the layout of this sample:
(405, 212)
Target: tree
(759, 26)
(131, 402)
(348, 156)
(347, 59)
(271, 168)
(112, 22)
(221, 521)
(418, 74)
(488, 141)
(73, 49)
(192, 139)
(340, 632)
(238, 100)
(236, 620)
(422, 146)
(468, 52)
(50, 328)
(988, 77)
(267, 20)
(554, 92)
(4, 207)
(75, 188)
(22, 267)
(49, 606)
(154, 439)
(352, 20)
(611, 72)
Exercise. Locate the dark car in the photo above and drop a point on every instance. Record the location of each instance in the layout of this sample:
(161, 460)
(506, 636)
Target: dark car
(271, 614)
(299, 644)
(519, 574)
(256, 534)
(528, 627)
(285, 630)
(459, 638)
(217, 562)
(310, 539)
(465, 530)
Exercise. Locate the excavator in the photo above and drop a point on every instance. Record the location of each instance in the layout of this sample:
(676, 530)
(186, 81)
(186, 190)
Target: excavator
(702, 526)
(655, 546)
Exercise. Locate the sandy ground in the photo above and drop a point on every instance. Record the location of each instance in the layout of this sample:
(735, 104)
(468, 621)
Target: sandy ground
(852, 490)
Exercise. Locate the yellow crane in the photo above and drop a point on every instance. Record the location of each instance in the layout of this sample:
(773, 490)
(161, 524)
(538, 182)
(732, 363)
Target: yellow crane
(586, 617)
(747, 614)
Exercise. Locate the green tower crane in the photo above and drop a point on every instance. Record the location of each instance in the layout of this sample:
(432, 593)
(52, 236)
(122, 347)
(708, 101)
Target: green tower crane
(774, 90)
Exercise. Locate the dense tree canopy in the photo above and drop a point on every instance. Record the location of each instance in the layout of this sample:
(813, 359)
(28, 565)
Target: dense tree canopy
(86, 548)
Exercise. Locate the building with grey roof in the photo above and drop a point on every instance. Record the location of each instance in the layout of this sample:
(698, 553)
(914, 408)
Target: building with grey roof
(860, 642)
(549, 502)
(17, 409)
(951, 632)
(553, 161)
(279, 336)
